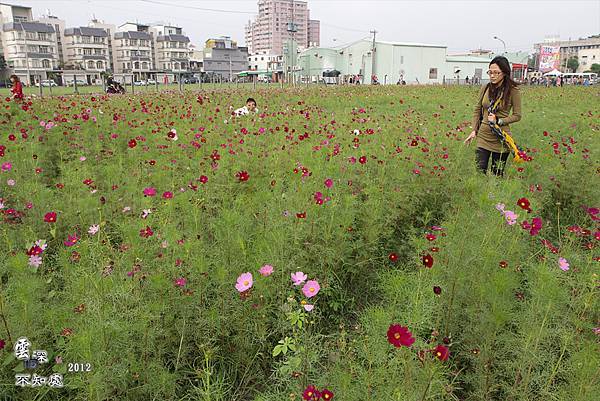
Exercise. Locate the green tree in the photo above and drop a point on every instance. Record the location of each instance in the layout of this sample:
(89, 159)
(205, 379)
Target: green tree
(595, 68)
(573, 64)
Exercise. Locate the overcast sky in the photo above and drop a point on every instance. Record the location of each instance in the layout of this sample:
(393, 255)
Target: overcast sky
(460, 25)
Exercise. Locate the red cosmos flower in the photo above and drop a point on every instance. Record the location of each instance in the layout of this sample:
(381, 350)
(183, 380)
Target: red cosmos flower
(430, 237)
(437, 290)
(393, 257)
(2, 344)
(167, 195)
(399, 335)
(34, 251)
(428, 261)
(132, 143)
(311, 393)
(362, 159)
(50, 217)
(242, 176)
(326, 394)
(146, 232)
(503, 264)
(441, 352)
(301, 215)
(524, 204)
(203, 179)
(88, 181)
(534, 227)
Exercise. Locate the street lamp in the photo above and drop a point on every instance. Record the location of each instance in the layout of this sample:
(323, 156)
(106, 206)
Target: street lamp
(497, 38)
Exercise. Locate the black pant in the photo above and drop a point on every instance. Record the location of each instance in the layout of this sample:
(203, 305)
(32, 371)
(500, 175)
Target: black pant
(482, 156)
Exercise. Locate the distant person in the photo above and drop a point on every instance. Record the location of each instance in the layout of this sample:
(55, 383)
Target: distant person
(504, 93)
(467, 80)
(17, 88)
(250, 107)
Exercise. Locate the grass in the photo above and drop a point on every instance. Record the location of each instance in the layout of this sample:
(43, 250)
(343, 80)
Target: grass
(149, 300)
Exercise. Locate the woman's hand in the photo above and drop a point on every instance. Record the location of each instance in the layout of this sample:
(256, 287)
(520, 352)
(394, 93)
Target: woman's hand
(470, 138)
(492, 118)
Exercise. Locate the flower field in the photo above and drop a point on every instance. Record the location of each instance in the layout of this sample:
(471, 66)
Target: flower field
(338, 245)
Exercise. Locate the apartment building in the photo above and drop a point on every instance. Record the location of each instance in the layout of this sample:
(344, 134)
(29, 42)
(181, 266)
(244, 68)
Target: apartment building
(223, 58)
(29, 47)
(171, 48)
(134, 52)
(585, 50)
(279, 21)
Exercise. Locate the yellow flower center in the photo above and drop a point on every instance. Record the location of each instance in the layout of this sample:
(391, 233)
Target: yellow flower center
(246, 282)
(397, 336)
(311, 289)
(438, 353)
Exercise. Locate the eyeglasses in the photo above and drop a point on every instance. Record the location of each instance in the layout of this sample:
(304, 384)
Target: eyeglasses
(490, 72)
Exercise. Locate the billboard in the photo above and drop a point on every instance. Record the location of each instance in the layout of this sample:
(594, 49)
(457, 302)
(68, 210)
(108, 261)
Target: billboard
(549, 58)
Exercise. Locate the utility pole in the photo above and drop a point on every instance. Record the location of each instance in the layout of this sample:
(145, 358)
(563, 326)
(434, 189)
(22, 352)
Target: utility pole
(374, 32)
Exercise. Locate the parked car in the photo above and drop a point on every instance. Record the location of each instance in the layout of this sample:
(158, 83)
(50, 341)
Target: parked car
(47, 83)
(151, 82)
(190, 80)
(79, 83)
(140, 83)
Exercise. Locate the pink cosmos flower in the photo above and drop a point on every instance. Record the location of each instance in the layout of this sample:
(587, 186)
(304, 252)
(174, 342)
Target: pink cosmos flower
(180, 282)
(298, 278)
(7, 166)
(308, 307)
(329, 183)
(35, 261)
(563, 264)
(244, 282)
(93, 229)
(10, 182)
(266, 270)
(150, 191)
(511, 217)
(500, 207)
(167, 195)
(311, 288)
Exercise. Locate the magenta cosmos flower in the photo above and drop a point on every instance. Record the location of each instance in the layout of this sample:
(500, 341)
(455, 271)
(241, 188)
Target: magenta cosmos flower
(298, 278)
(150, 191)
(244, 282)
(563, 264)
(311, 288)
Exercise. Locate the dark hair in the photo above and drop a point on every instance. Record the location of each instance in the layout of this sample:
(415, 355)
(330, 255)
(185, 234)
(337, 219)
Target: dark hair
(16, 78)
(251, 100)
(507, 84)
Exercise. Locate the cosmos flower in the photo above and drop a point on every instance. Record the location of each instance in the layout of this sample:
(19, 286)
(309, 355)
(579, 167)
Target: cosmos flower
(298, 278)
(266, 270)
(93, 229)
(441, 352)
(244, 282)
(311, 288)
(399, 336)
(427, 261)
(563, 264)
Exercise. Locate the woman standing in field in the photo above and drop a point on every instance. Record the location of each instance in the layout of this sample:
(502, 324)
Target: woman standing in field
(17, 88)
(489, 112)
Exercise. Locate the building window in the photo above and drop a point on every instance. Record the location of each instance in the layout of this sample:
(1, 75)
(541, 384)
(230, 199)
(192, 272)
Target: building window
(90, 65)
(433, 73)
(145, 65)
(46, 64)
(99, 65)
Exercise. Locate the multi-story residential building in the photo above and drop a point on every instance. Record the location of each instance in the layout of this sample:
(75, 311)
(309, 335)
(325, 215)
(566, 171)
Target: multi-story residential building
(87, 49)
(171, 51)
(265, 62)
(110, 30)
(29, 47)
(224, 58)
(278, 21)
(585, 50)
(134, 50)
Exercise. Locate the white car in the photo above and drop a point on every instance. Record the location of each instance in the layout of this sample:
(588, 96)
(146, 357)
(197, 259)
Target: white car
(46, 83)
(79, 83)
(150, 82)
(140, 83)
